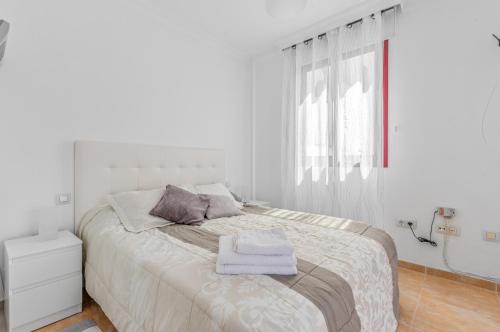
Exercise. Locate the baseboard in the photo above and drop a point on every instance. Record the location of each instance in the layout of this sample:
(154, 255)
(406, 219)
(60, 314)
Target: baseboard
(486, 284)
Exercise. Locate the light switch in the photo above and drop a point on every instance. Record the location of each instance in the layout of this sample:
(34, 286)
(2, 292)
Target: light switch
(63, 199)
(490, 236)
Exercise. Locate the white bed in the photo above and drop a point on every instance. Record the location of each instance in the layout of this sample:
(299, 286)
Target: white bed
(152, 281)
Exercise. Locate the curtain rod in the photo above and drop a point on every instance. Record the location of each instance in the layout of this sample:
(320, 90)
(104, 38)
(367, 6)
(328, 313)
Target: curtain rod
(321, 35)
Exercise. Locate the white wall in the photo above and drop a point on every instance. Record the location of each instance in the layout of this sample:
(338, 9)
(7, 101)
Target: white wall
(268, 78)
(108, 70)
(443, 66)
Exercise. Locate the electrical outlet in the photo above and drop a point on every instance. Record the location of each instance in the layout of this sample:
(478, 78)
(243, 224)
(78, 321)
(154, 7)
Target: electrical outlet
(453, 230)
(63, 199)
(404, 223)
(449, 230)
(491, 236)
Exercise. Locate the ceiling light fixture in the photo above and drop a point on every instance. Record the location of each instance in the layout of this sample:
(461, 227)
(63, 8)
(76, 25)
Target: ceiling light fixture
(285, 8)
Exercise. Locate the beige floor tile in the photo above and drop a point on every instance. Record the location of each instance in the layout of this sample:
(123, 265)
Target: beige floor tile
(90, 311)
(462, 295)
(407, 307)
(435, 315)
(410, 286)
(402, 327)
(411, 282)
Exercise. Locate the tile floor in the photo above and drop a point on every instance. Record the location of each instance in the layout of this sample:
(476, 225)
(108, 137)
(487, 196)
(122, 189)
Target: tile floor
(428, 304)
(90, 311)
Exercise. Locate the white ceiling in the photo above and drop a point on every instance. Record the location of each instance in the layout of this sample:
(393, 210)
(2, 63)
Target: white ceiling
(245, 24)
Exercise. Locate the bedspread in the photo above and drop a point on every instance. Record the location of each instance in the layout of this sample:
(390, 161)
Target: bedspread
(158, 280)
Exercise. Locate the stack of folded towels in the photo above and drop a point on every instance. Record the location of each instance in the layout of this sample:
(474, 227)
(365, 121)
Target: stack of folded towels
(256, 252)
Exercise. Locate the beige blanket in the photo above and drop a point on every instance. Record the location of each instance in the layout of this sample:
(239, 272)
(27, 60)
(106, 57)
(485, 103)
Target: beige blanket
(153, 281)
(331, 294)
(347, 225)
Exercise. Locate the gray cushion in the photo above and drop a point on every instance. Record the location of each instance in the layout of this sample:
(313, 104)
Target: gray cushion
(181, 206)
(220, 207)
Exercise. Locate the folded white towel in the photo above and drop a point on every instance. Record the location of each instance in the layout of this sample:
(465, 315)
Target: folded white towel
(263, 242)
(255, 269)
(227, 255)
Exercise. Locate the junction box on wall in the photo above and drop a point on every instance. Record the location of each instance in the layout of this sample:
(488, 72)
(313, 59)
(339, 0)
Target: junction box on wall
(446, 212)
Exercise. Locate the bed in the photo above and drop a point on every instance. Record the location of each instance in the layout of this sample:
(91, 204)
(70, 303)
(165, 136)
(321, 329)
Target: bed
(164, 279)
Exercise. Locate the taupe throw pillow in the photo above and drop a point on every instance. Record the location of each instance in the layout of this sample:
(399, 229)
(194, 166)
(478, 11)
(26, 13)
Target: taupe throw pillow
(220, 207)
(181, 206)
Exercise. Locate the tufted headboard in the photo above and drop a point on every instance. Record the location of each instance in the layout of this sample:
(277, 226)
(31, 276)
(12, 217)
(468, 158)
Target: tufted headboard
(103, 168)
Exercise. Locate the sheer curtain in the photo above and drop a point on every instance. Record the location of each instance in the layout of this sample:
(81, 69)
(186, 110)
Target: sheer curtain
(332, 123)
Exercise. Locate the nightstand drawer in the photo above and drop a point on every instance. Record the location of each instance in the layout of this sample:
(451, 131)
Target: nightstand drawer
(29, 270)
(34, 303)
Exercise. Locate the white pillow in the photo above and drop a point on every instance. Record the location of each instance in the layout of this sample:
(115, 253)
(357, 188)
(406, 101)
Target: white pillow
(132, 207)
(188, 187)
(217, 189)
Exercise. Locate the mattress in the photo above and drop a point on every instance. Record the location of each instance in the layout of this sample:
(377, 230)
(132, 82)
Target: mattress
(164, 279)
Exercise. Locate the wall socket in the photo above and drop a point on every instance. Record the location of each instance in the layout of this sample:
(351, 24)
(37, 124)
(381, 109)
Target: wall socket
(63, 199)
(404, 223)
(448, 230)
(491, 236)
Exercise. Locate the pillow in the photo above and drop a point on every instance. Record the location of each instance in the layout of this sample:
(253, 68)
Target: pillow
(220, 207)
(132, 208)
(189, 187)
(218, 189)
(181, 206)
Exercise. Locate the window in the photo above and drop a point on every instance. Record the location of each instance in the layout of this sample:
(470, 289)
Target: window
(315, 141)
(313, 113)
(355, 104)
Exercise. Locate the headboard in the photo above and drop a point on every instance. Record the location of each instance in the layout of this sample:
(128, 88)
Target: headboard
(103, 168)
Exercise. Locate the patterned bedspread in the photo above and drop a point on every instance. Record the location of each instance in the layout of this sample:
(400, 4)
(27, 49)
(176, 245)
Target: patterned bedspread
(159, 281)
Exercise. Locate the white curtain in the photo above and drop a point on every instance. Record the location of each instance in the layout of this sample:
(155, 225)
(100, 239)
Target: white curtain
(332, 158)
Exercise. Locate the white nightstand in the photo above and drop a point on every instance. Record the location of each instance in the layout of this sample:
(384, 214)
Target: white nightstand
(258, 204)
(43, 280)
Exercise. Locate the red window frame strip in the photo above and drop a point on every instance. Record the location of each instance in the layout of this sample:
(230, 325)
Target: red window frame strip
(385, 87)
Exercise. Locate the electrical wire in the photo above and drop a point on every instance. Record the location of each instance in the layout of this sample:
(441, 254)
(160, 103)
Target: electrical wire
(432, 224)
(420, 238)
(445, 252)
(412, 231)
(468, 274)
(486, 109)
